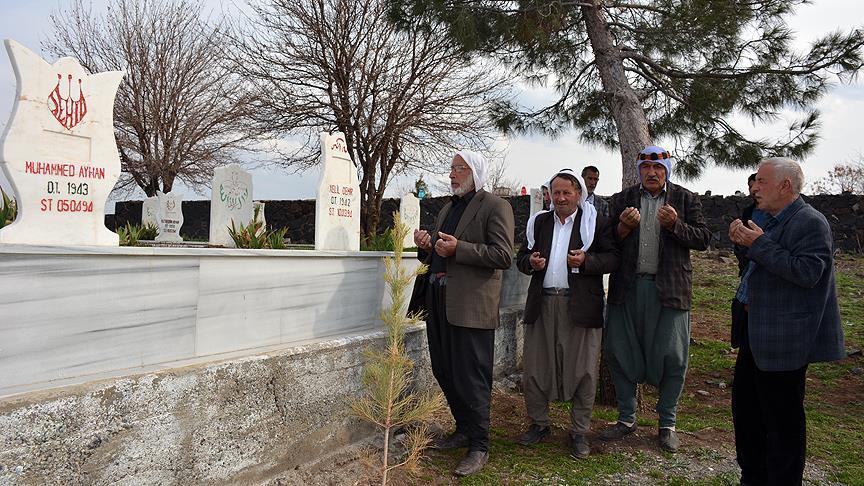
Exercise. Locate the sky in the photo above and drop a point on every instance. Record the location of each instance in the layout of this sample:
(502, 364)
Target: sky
(529, 160)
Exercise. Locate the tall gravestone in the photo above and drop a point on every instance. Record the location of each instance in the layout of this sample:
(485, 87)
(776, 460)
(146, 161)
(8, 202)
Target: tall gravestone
(536, 200)
(409, 210)
(337, 207)
(150, 211)
(170, 218)
(58, 151)
(231, 201)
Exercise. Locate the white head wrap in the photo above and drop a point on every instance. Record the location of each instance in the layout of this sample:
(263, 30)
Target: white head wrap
(477, 162)
(589, 214)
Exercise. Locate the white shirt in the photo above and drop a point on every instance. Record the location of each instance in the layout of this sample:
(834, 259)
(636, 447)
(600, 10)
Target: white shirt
(556, 266)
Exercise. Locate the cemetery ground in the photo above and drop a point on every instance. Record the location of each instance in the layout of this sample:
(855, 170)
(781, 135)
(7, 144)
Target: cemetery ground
(834, 404)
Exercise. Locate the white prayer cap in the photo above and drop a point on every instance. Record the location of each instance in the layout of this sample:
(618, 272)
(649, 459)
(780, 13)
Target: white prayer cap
(477, 162)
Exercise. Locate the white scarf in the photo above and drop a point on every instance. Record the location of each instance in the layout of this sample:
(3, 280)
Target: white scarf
(477, 162)
(589, 214)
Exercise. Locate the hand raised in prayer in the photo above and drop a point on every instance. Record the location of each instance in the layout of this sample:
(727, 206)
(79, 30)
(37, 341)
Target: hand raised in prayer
(422, 239)
(745, 235)
(667, 216)
(446, 245)
(575, 258)
(537, 261)
(630, 217)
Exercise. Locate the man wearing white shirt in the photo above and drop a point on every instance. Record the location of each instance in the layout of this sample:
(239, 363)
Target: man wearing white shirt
(566, 252)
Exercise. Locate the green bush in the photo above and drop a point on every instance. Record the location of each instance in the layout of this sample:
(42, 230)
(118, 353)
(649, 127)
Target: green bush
(9, 211)
(382, 242)
(254, 235)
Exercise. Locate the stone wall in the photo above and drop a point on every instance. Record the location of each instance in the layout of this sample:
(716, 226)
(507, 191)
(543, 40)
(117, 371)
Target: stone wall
(240, 421)
(844, 212)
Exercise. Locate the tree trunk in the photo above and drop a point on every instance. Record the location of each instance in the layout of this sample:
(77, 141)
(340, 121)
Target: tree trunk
(633, 135)
(622, 99)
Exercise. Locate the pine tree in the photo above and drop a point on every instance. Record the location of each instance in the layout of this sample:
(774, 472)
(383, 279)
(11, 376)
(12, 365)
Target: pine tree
(630, 73)
(389, 402)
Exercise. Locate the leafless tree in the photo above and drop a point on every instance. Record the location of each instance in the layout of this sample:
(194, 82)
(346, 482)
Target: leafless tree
(179, 112)
(405, 100)
(842, 178)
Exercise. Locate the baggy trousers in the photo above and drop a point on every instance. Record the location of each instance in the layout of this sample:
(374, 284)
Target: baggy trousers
(560, 362)
(647, 343)
(461, 359)
(768, 415)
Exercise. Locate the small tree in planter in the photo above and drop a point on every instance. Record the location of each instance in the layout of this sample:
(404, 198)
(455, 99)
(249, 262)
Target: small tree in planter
(389, 402)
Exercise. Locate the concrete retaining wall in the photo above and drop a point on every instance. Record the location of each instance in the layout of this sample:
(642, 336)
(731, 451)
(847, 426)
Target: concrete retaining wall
(240, 421)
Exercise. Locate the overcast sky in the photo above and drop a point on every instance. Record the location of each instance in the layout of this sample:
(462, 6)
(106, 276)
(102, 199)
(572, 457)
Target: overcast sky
(531, 159)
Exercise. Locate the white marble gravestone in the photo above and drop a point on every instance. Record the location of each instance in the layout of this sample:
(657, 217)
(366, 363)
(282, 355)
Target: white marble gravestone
(337, 207)
(58, 151)
(536, 200)
(409, 210)
(231, 201)
(259, 206)
(150, 211)
(170, 218)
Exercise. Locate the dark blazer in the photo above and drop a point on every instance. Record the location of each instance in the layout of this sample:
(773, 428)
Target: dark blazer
(586, 287)
(483, 251)
(674, 268)
(794, 317)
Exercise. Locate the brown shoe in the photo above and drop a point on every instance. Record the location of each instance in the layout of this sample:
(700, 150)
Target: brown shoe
(471, 463)
(456, 440)
(617, 431)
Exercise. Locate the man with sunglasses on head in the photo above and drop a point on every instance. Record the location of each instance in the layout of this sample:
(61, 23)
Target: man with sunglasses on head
(471, 246)
(647, 338)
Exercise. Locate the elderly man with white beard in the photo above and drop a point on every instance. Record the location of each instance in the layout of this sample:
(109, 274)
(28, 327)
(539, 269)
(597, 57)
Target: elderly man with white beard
(471, 246)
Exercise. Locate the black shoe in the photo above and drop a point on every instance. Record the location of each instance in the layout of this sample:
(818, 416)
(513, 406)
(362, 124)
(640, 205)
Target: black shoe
(471, 463)
(533, 435)
(617, 431)
(668, 440)
(456, 440)
(579, 448)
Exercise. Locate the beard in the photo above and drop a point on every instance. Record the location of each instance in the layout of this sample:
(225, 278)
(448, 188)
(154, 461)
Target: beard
(461, 190)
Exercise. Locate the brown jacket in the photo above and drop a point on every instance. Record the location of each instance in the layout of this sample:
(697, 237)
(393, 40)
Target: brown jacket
(483, 251)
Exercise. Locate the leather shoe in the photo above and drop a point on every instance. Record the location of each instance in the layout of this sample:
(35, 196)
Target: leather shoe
(668, 440)
(533, 435)
(579, 448)
(456, 440)
(471, 463)
(617, 431)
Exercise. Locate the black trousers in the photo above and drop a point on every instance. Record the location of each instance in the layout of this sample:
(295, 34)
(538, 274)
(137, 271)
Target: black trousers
(768, 415)
(462, 360)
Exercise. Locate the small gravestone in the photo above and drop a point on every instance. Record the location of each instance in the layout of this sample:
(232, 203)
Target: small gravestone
(536, 200)
(409, 210)
(258, 211)
(337, 206)
(231, 201)
(169, 218)
(149, 211)
(59, 151)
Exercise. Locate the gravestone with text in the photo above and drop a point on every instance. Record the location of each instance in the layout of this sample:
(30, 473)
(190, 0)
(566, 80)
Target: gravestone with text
(149, 211)
(231, 201)
(58, 151)
(169, 218)
(409, 210)
(337, 206)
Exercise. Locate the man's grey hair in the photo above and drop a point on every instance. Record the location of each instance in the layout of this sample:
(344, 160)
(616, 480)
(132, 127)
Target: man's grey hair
(786, 168)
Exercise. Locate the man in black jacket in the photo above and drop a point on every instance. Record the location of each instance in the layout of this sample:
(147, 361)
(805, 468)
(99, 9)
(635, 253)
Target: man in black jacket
(566, 252)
